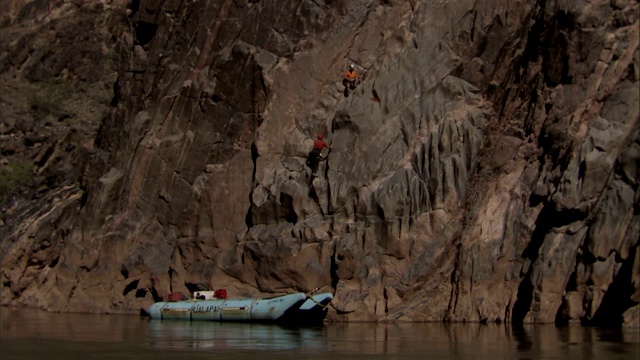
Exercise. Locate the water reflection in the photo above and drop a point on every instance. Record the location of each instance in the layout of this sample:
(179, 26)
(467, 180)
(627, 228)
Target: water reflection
(213, 335)
(18, 323)
(31, 334)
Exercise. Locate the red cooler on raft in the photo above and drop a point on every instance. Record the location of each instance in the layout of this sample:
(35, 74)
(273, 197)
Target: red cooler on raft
(220, 294)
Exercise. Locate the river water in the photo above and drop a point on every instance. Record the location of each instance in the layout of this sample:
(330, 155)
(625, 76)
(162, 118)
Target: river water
(32, 334)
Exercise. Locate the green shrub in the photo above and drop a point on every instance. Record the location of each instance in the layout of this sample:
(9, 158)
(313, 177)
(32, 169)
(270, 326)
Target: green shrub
(49, 99)
(12, 177)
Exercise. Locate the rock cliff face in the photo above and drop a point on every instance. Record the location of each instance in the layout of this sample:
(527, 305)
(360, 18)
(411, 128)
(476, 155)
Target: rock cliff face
(486, 168)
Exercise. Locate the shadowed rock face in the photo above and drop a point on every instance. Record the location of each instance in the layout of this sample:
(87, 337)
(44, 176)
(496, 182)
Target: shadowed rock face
(486, 169)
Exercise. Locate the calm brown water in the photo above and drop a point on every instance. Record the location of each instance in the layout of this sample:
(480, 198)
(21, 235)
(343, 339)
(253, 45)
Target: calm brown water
(31, 334)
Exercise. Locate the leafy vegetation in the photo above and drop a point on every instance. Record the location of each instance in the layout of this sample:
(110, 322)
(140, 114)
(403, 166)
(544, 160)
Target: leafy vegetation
(12, 177)
(49, 99)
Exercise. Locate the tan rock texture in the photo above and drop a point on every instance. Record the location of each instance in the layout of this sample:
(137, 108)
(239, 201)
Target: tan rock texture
(486, 168)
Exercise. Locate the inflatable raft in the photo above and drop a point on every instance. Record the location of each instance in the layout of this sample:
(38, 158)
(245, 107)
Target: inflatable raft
(297, 309)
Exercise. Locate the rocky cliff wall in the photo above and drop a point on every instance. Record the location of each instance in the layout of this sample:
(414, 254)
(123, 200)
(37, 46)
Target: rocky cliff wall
(486, 169)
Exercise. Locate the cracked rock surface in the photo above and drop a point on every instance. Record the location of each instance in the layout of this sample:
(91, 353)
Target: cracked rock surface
(485, 169)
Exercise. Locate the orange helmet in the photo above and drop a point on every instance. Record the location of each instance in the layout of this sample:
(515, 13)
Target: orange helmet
(320, 137)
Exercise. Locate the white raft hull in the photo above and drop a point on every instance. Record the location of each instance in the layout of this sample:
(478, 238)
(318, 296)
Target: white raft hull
(292, 308)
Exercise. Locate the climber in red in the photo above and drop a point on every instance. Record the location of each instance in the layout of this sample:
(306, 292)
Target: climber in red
(315, 155)
(350, 79)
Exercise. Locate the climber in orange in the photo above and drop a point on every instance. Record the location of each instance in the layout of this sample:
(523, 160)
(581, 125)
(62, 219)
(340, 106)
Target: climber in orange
(350, 79)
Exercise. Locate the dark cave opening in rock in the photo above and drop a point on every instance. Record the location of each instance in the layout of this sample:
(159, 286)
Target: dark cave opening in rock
(145, 32)
(115, 100)
(248, 219)
(287, 210)
(333, 271)
(54, 262)
(154, 294)
(535, 34)
(130, 287)
(124, 272)
(618, 297)
(547, 219)
(555, 52)
(380, 212)
(84, 197)
(523, 303)
(134, 6)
